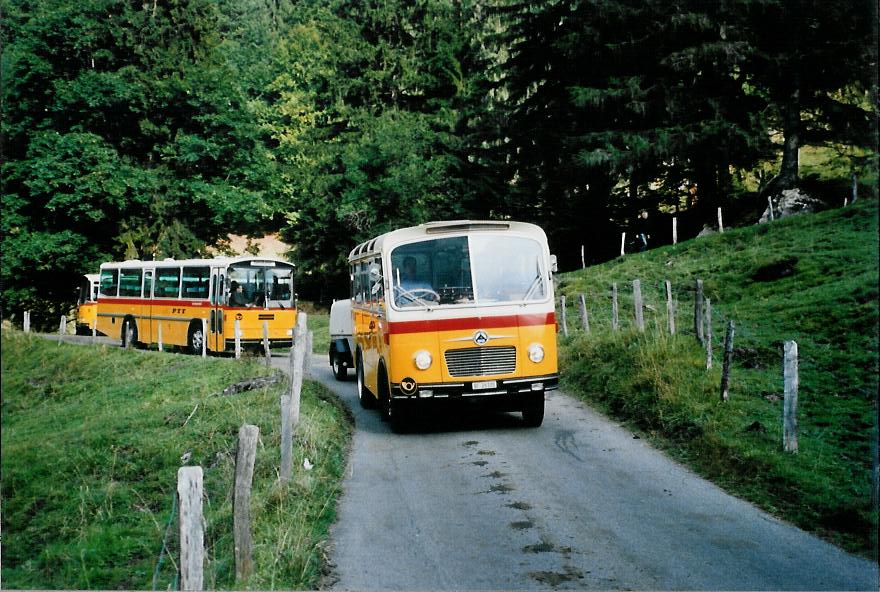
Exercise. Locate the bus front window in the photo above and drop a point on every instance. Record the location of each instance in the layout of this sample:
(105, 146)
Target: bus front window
(260, 287)
(480, 269)
(432, 272)
(508, 269)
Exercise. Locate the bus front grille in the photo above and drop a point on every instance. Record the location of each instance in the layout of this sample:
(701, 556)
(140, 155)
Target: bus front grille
(481, 361)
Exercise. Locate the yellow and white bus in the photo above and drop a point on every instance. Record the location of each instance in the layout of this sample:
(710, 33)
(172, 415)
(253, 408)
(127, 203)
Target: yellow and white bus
(87, 304)
(458, 310)
(177, 295)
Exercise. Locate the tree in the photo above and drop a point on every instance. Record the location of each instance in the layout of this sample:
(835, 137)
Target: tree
(125, 135)
(815, 65)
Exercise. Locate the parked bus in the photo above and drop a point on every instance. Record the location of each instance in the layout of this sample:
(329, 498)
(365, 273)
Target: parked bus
(87, 304)
(455, 311)
(177, 295)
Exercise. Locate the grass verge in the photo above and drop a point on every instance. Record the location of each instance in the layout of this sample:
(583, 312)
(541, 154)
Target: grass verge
(812, 279)
(91, 442)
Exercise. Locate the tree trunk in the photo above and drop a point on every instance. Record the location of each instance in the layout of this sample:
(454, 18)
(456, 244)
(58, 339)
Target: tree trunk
(791, 121)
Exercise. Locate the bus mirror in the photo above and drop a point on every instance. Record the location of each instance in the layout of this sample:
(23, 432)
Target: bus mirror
(553, 267)
(375, 273)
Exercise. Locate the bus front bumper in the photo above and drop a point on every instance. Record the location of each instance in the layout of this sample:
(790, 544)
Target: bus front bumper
(512, 390)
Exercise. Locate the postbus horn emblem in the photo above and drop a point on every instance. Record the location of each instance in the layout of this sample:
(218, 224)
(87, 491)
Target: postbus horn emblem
(481, 337)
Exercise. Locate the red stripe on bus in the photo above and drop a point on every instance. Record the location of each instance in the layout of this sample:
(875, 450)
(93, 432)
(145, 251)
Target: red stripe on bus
(157, 302)
(524, 320)
(185, 303)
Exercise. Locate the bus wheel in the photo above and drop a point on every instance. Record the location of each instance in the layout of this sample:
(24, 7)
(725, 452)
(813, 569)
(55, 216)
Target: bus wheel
(340, 370)
(388, 411)
(533, 411)
(366, 398)
(195, 338)
(126, 324)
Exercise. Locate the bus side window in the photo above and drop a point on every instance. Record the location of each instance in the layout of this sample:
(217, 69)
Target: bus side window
(109, 282)
(377, 289)
(195, 282)
(168, 282)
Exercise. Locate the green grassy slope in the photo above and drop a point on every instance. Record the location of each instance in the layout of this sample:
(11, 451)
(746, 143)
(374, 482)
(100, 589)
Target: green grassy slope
(91, 442)
(812, 279)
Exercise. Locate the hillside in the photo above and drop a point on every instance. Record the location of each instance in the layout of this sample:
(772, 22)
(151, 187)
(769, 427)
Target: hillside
(810, 278)
(92, 438)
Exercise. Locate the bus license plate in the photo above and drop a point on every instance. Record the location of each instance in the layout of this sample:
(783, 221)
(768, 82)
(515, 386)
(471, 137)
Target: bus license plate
(486, 384)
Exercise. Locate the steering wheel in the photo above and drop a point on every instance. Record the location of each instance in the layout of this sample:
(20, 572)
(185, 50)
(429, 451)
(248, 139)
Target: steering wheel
(413, 294)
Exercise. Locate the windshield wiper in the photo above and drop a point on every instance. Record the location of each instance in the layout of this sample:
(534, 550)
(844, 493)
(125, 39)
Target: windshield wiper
(532, 287)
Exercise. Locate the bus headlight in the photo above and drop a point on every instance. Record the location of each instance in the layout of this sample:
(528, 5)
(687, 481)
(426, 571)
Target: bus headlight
(423, 360)
(536, 353)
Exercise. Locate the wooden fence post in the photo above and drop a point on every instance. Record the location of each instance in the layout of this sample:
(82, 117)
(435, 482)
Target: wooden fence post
(708, 334)
(266, 343)
(585, 316)
(26, 323)
(297, 374)
(622, 244)
(615, 318)
(562, 314)
(698, 311)
(670, 309)
(192, 529)
(286, 438)
(241, 500)
(728, 358)
(159, 337)
(307, 355)
(674, 230)
(237, 339)
(790, 396)
(637, 302)
(720, 222)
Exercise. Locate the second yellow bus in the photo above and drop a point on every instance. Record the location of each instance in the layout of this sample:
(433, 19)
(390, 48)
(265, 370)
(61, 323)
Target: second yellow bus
(196, 301)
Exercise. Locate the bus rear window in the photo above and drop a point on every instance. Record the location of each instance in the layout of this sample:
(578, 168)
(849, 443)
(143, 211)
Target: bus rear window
(109, 282)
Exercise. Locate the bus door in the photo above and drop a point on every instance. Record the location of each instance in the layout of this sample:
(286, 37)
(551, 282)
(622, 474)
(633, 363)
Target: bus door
(216, 322)
(146, 324)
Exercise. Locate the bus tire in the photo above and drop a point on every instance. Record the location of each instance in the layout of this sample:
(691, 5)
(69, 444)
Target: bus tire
(194, 338)
(389, 412)
(126, 323)
(366, 398)
(533, 411)
(340, 369)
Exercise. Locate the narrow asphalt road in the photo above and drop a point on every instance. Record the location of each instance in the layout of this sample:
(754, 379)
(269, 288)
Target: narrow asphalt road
(482, 502)
(478, 501)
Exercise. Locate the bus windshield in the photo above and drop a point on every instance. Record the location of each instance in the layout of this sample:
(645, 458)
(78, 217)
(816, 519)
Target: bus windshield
(261, 285)
(477, 269)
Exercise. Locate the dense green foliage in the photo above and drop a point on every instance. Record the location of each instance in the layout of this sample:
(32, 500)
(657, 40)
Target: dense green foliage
(93, 438)
(812, 279)
(153, 129)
